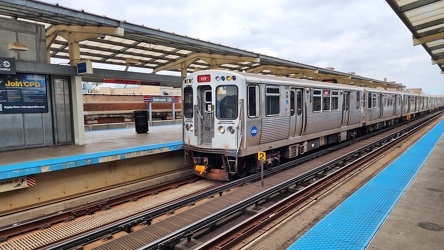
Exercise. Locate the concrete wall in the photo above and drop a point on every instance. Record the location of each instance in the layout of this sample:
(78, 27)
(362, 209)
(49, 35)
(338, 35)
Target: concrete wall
(30, 129)
(31, 35)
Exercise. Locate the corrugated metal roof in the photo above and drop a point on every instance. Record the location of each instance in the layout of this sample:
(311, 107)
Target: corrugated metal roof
(156, 49)
(425, 19)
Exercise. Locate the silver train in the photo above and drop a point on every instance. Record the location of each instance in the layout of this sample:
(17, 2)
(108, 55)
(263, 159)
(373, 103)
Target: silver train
(234, 122)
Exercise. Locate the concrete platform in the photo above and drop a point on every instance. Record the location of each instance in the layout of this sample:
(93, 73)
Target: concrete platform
(101, 146)
(417, 220)
(401, 208)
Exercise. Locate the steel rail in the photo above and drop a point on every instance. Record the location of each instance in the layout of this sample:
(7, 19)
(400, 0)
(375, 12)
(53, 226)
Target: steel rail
(149, 215)
(240, 232)
(189, 230)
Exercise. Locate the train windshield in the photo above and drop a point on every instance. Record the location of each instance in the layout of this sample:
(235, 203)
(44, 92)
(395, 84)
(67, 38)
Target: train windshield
(188, 102)
(226, 102)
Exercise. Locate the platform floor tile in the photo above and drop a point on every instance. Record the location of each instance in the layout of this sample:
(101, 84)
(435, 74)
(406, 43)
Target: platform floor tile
(354, 223)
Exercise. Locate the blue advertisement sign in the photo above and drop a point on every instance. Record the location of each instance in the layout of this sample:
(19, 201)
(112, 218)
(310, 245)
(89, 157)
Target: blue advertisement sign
(23, 93)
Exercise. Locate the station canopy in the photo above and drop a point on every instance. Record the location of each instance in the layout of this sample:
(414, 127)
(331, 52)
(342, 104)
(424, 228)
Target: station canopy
(425, 19)
(128, 44)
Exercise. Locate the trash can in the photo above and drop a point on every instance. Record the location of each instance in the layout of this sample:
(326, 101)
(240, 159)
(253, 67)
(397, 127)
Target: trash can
(141, 121)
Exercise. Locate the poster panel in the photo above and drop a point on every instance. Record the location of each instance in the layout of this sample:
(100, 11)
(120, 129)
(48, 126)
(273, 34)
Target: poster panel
(23, 93)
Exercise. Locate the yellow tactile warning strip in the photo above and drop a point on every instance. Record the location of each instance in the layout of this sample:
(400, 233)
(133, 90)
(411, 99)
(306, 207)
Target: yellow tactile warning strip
(47, 236)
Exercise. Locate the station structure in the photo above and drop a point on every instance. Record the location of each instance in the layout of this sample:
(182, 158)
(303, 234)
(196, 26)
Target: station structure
(43, 141)
(34, 32)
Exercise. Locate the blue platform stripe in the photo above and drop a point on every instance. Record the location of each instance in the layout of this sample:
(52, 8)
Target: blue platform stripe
(53, 164)
(355, 222)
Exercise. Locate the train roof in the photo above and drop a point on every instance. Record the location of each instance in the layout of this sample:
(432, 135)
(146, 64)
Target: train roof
(272, 79)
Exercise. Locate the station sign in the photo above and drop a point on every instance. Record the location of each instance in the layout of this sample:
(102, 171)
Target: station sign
(160, 99)
(122, 81)
(7, 66)
(84, 67)
(17, 183)
(125, 81)
(23, 93)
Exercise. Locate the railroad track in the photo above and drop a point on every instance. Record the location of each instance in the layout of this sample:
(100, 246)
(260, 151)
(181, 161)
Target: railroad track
(302, 196)
(147, 217)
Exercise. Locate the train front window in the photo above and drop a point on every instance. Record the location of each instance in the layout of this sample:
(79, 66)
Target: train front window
(188, 102)
(226, 102)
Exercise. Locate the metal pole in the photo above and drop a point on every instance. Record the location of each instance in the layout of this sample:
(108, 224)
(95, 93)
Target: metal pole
(150, 114)
(262, 173)
(174, 113)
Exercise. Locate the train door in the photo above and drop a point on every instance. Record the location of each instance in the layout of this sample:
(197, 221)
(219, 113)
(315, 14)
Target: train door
(206, 109)
(296, 117)
(382, 104)
(373, 110)
(346, 108)
(63, 120)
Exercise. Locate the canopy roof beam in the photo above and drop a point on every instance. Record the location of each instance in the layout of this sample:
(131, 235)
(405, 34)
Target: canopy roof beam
(74, 34)
(281, 70)
(214, 60)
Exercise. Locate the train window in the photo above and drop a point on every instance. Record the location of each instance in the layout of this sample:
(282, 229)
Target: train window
(208, 96)
(317, 100)
(374, 98)
(226, 102)
(369, 100)
(208, 101)
(358, 100)
(188, 102)
(272, 100)
(334, 100)
(299, 102)
(326, 100)
(292, 103)
(253, 101)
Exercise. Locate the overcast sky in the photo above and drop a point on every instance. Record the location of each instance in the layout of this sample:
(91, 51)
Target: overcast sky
(361, 36)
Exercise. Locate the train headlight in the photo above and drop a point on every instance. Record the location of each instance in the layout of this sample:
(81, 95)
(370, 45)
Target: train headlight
(221, 129)
(187, 127)
(231, 129)
(191, 128)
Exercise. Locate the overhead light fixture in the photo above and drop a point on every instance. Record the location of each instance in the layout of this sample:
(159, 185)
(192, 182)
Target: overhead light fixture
(17, 46)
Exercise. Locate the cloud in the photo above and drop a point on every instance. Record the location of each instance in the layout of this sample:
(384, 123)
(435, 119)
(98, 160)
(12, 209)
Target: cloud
(363, 36)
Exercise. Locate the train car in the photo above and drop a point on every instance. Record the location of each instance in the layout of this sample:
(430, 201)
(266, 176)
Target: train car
(382, 108)
(229, 117)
